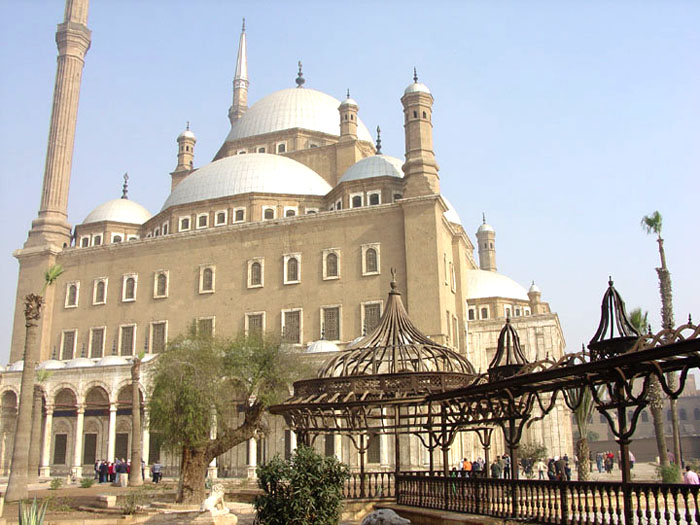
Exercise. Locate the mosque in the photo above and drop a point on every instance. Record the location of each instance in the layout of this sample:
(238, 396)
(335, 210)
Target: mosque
(292, 229)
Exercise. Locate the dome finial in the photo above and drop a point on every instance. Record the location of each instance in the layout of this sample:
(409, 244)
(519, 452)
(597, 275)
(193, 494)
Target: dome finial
(125, 186)
(393, 281)
(379, 141)
(188, 125)
(348, 93)
(415, 75)
(483, 217)
(300, 77)
(243, 28)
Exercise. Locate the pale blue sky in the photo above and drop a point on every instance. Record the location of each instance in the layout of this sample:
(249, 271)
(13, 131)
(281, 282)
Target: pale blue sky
(565, 122)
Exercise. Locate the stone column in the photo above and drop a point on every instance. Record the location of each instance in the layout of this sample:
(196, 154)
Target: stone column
(73, 41)
(338, 446)
(45, 468)
(77, 469)
(383, 450)
(212, 471)
(146, 441)
(292, 441)
(112, 436)
(252, 458)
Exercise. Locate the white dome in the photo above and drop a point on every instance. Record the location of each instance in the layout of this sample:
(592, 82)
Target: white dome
(451, 214)
(481, 284)
(417, 87)
(321, 346)
(534, 288)
(374, 166)
(79, 362)
(51, 364)
(119, 210)
(112, 360)
(485, 228)
(259, 172)
(187, 134)
(17, 366)
(348, 102)
(293, 108)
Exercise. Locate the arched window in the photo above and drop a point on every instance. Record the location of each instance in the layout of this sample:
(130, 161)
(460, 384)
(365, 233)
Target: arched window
(255, 274)
(207, 280)
(331, 265)
(129, 288)
(292, 269)
(161, 285)
(682, 414)
(117, 238)
(290, 213)
(357, 201)
(371, 260)
(240, 215)
(100, 292)
(484, 313)
(269, 214)
(72, 299)
(374, 199)
(645, 417)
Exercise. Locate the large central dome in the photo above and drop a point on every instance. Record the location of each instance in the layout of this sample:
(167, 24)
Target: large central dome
(293, 108)
(257, 172)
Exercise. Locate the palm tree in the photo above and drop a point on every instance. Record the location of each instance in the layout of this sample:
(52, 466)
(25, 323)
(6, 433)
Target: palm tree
(582, 415)
(17, 484)
(135, 474)
(655, 398)
(652, 224)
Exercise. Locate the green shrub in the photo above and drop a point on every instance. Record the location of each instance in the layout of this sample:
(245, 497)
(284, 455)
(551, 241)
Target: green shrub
(86, 483)
(32, 514)
(307, 489)
(55, 484)
(669, 474)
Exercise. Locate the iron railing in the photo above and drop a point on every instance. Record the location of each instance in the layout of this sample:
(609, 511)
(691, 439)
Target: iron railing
(560, 503)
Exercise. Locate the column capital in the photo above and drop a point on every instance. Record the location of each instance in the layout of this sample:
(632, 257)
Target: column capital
(113, 407)
(80, 408)
(49, 408)
(73, 39)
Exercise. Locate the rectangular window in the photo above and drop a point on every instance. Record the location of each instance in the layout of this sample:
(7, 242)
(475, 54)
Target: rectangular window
(455, 332)
(291, 211)
(127, 337)
(291, 326)
(205, 326)
(256, 272)
(373, 448)
(97, 240)
(356, 200)
(165, 228)
(239, 215)
(220, 218)
(329, 448)
(68, 340)
(330, 323)
(184, 224)
(472, 314)
(202, 220)
(97, 342)
(282, 147)
(85, 241)
(371, 313)
(60, 444)
(268, 213)
(374, 198)
(90, 449)
(117, 237)
(261, 149)
(159, 331)
(160, 284)
(255, 324)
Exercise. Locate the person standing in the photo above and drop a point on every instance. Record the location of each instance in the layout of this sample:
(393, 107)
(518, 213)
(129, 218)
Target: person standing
(599, 462)
(541, 468)
(690, 477)
(496, 469)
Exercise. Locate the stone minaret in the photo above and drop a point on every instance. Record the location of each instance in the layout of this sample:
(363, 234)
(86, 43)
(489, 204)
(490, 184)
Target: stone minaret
(348, 118)
(486, 238)
(420, 168)
(185, 157)
(240, 81)
(73, 41)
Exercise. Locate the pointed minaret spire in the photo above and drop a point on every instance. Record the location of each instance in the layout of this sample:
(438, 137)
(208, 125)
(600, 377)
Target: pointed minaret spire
(415, 75)
(300, 77)
(379, 141)
(125, 186)
(483, 216)
(240, 81)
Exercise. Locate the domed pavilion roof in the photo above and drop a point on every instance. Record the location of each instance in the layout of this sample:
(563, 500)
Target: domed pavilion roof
(482, 283)
(119, 210)
(373, 166)
(293, 108)
(256, 172)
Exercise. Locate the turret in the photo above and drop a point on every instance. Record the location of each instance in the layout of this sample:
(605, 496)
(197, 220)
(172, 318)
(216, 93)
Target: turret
(486, 239)
(420, 168)
(348, 118)
(185, 157)
(535, 296)
(240, 81)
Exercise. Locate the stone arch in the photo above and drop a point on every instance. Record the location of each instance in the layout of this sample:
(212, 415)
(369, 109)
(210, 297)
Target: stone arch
(123, 398)
(65, 398)
(96, 398)
(60, 387)
(126, 384)
(95, 383)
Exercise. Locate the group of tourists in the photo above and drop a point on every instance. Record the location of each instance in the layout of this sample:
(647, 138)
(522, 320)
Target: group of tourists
(109, 472)
(468, 469)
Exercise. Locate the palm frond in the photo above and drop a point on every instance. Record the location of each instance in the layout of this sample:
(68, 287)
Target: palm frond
(51, 275)
(652, 223)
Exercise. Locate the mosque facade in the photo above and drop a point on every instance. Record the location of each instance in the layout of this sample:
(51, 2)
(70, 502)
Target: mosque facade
(291, 229)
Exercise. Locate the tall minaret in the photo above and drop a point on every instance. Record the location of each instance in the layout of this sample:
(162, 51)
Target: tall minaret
(240, 81)
(420, 168)
(486, 239)
(73, 41)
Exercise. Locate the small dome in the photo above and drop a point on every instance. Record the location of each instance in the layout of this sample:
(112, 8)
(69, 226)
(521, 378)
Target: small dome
(51, 364)
(79, 362)
(482, 284)
(17, 366)
(417, 87)
(321, 346)
(534, 288)
(373, 166)
(451, 214)
(187, 134)
(261, 173)
(293, 108)
(119, 210)
(348, 102)
(485, 228)
(112, 360)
